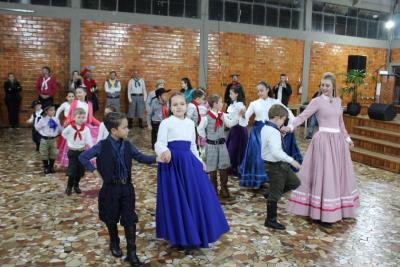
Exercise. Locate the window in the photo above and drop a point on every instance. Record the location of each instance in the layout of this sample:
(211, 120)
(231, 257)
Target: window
(231, 11)
(340, 25)
(216, 8)
(259, 15)
(272, 17)
(317, 22)
(40, 2)
(60, 3)
(245, 13)
(143, 6)
(372, 29)
(126, 5)
(191, 8)
(329, 23)
(284, 18)
(176, 8)
(160, 7)
(295, 19)
(362, 28)
(351, 29)
(90, 4)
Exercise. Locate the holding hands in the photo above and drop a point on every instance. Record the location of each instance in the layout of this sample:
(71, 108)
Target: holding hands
(165, 157)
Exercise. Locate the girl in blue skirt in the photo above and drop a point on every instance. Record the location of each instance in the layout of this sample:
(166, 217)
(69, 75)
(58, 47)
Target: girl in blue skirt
(188, 213)
(252, 172)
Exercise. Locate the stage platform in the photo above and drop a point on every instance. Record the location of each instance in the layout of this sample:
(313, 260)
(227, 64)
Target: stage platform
(377, 143)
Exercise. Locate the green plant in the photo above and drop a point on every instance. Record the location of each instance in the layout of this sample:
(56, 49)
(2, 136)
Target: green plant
(354, 80)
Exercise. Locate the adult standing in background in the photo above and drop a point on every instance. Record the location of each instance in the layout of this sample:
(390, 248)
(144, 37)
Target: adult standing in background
(187, 89)
(91, 88)
(46, 87)
(112, 86)
(137, 96)
(12, 88)
(282, 90)
(233, 84)
(76, 81)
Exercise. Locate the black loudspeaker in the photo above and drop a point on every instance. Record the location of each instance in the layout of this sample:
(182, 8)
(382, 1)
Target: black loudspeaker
(355, 62)
(382, 112)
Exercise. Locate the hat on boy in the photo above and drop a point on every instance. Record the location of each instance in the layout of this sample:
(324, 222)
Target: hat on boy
(161, 91)
(36, 102)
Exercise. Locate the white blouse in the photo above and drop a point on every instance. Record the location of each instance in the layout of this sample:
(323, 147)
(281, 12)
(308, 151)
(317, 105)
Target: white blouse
(228, 122)
(85, 106)
(63, 108)
(176, 129)
(233, 112)
(260, 108)
(103, 133)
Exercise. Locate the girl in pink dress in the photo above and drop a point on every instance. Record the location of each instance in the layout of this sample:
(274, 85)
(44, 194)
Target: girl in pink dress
(328, 190)
(91, 122)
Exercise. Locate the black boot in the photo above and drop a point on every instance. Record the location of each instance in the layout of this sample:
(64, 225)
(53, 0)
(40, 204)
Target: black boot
(130, 234)
(271, 221)
(114, 240)
(76, 185)
(46, 167)
(141, 123)
(51, 166)
(68, 190)
(130, 123)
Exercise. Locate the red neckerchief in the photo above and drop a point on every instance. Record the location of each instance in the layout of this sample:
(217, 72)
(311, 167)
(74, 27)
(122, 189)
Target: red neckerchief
(164, 110)
(78, 131)
(218, 121)
(198, 111)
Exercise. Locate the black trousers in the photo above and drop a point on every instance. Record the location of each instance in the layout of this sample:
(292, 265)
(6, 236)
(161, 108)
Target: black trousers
(155, 125)
(117, 204)
(13, 104)
(75, 168)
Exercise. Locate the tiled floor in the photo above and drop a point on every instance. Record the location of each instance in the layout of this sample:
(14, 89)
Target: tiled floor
(40, 226)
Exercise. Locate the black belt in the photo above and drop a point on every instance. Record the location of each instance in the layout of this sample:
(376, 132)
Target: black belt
(274, 163)
(136, 94)
(112, 97)
(49, 137)
(216, 142)
(120, 181)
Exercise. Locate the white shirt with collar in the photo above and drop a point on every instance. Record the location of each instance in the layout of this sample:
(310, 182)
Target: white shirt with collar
(38, 116)
(68, 134)
(271, 146)
(234, 112)
(133, 89)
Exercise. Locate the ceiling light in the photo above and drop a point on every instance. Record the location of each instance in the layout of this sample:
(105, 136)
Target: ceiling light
(389, 24)
(18, 10)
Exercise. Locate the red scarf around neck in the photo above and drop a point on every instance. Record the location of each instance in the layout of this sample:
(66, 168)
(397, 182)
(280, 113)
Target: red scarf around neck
(218, 120)
(198, 111)
(78, 131)
(164, 110)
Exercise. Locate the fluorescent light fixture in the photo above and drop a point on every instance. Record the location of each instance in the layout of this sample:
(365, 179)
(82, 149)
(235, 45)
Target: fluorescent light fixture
(18, 10)
(389, 24)
(383, 72)
(375, 16)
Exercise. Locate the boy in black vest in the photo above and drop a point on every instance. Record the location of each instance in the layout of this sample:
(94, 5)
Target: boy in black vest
(117, 195)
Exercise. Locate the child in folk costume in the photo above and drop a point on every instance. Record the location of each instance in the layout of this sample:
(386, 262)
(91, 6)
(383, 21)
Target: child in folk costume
(212, 127)
(236, 141)
(33, 119)
(64, 108)
(252, 172)
(328, 190)
(103, 132)
(194, 112)
(112, 87)
(114, 157)
(277, 163)
(91, 122)
(158, 112)
(188, 213)
(78, 137)
(49, 128)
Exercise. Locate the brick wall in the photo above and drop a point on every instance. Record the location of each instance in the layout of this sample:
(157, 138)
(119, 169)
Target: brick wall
(255, 58)
(26, 44)
(333, 58)
(396, 55)
(158, 52)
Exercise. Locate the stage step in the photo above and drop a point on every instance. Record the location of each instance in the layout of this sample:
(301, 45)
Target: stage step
(377, 133)
(378, 160)
(376, 145)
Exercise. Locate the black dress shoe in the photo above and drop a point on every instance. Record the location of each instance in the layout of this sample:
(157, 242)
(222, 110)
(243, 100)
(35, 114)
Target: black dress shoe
(77, 189)
(115, 249)
(274, 225)
(68, 190)
(133, 259)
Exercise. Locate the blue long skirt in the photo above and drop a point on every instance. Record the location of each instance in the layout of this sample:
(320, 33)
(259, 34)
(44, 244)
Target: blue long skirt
(252, 171)
(236, 143)
(188, 212)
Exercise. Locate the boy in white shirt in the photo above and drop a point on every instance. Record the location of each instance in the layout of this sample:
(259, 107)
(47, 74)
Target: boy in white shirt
(277, 164)
(78, 137)
(103, 132)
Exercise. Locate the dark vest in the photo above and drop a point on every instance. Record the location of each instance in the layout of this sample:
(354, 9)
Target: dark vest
(106, 161)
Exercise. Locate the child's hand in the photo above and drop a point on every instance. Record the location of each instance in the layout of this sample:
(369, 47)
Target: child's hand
(285, 130)
(159, 159)
(295, 164)
(351, 145)
(166, 156)
(242, 111)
